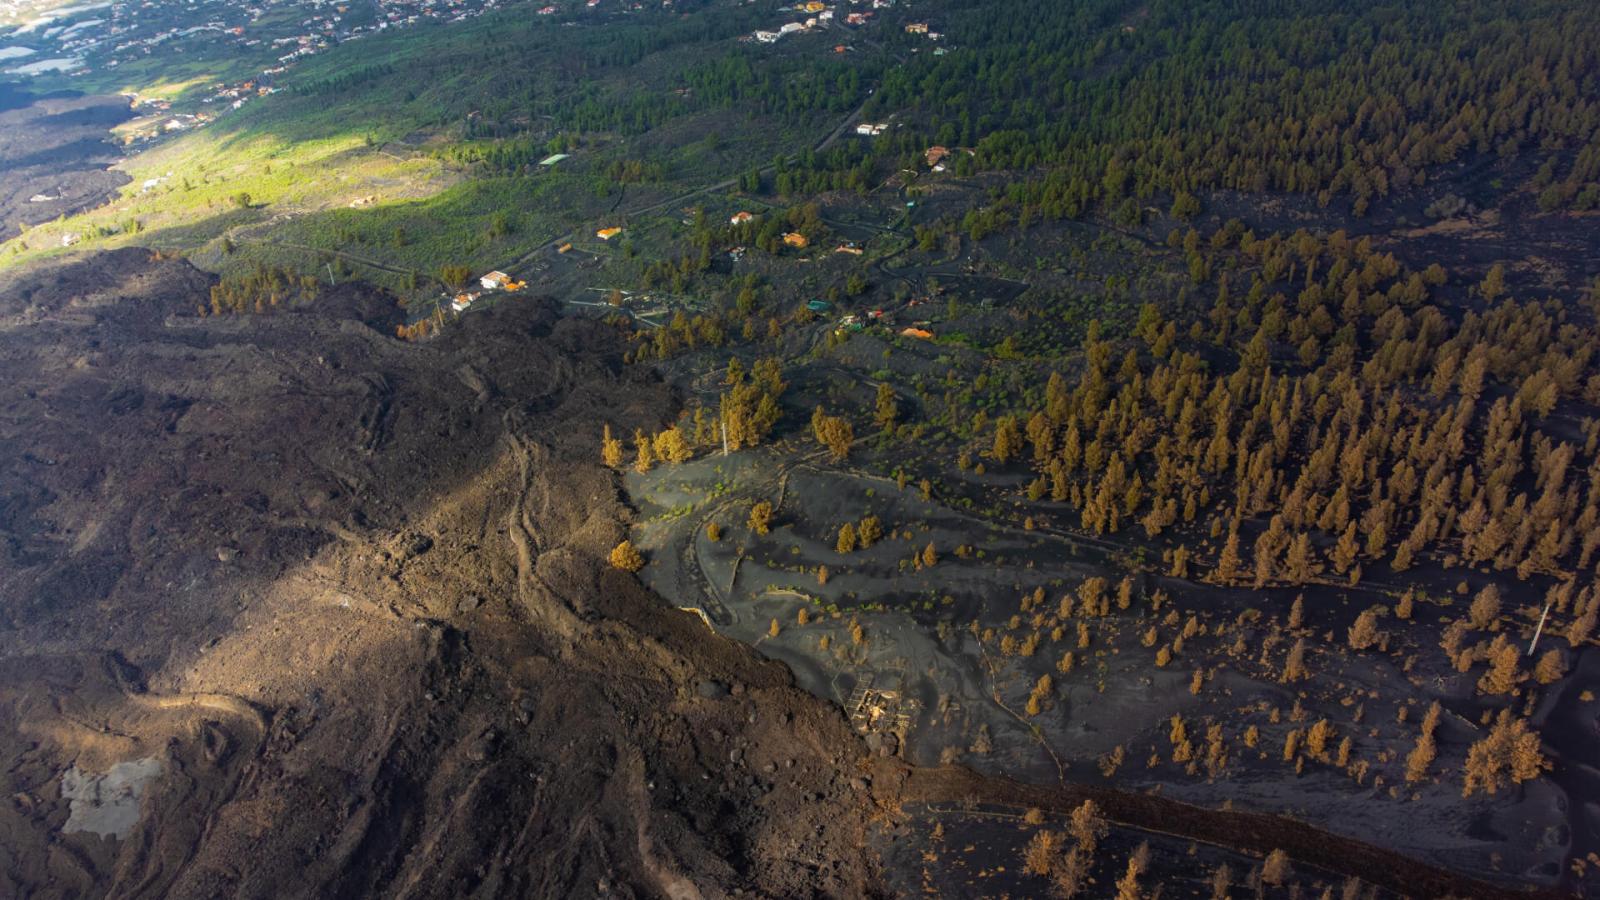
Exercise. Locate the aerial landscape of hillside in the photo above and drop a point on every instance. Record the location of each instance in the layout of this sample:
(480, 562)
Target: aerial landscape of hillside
(851, 448)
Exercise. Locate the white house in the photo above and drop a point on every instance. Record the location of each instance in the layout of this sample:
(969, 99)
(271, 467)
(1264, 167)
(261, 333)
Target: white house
(494, 281)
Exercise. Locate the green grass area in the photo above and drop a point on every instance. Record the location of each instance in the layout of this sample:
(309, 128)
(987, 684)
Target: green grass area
(209, 181)
(480, 223)
(415, 149)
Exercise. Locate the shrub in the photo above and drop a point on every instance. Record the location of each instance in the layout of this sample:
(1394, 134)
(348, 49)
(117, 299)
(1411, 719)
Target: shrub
(626, 557)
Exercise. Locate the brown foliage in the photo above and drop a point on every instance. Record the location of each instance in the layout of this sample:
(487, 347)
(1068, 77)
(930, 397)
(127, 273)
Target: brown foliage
(626, 557)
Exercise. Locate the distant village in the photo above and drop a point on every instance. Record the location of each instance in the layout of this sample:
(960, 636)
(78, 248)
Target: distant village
(121, 33)
(83, 38)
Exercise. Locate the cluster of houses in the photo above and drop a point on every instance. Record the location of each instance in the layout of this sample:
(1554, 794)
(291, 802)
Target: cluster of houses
(160, 120)
(792, 239)
(818, 15)
(237, 95)
(788, 28)
(851, 322)
(875, 317)
(937, 156)
(491, 282)
(855, 322)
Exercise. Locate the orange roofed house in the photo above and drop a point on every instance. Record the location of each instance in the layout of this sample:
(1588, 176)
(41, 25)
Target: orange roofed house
(796, 240)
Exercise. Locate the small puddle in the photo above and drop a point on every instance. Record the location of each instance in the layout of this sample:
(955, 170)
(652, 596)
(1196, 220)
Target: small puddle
(107, 804)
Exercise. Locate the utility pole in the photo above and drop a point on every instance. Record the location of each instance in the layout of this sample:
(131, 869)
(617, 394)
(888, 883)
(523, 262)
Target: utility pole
(331, 280)
(1540, 630)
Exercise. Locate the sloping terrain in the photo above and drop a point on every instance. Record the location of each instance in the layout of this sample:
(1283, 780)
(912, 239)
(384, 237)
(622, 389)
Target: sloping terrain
(296, 609)
(350, 593)
(54, 155)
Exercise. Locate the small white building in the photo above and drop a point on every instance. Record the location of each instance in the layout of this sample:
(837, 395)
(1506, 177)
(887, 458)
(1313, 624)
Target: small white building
(494, 281)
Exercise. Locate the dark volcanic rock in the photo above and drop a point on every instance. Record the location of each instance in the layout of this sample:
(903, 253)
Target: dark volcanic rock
(56, 147)
(712, 689)
(226, 502)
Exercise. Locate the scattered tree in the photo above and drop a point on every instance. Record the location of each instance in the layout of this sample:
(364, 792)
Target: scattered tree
(625, 557)
(847, 539)
(887, 409)
(610, 449)
(761, 517)
(1364, 633)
